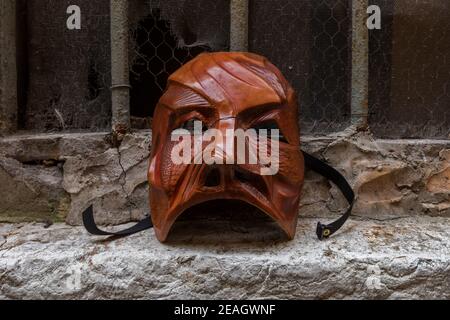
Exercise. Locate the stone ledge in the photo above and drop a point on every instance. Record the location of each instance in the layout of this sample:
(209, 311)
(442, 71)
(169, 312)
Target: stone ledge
(395, 259)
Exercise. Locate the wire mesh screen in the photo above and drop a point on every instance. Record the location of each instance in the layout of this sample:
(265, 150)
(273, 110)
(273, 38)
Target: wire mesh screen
(409, 66)
(67, 81)
(166, 34)
(310, 41)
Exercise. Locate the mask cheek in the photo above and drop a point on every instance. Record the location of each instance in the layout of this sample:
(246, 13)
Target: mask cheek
(291, 165)
(171, 171)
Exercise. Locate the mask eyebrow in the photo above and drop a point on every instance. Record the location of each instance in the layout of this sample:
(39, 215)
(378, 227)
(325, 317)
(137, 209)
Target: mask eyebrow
(178, 97)
(262, 110)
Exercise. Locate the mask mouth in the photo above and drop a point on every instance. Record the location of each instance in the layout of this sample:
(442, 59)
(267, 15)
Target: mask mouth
(225, 220)
(227, 183)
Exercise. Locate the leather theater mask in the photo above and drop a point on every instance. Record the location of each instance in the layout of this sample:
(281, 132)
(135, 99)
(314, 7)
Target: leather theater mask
(226, 91)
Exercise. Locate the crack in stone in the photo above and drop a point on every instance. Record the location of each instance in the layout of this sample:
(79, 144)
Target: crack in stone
(123, 182)
(266, 279)
(3, 243)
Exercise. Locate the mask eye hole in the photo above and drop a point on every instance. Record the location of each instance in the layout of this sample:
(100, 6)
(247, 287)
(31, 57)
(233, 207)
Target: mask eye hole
(190, 124)
(270, 125)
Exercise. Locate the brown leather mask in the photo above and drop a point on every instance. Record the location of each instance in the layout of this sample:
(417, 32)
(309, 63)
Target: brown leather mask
(226, 91)
(218, 93)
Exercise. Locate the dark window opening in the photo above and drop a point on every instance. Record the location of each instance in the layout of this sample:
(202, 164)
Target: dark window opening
(63, 75)
(155, 56)
(310, 41)
(409, 68)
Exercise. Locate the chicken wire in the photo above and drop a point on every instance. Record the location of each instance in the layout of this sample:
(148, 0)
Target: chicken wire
(65, 74)
(165, 35)
(409, 70)
(310, 41)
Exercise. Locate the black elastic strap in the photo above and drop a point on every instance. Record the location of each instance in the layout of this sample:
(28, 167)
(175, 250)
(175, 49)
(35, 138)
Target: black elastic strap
(325, 231)
(91, 226)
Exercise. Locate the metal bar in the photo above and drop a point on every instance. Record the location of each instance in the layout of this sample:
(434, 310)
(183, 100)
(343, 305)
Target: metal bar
(8, 67)
(239, 25)
(360, 64)
(120, 87)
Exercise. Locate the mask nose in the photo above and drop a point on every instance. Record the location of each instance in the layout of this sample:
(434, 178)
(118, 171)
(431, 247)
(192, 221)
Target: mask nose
(226, 145)
(222, 173)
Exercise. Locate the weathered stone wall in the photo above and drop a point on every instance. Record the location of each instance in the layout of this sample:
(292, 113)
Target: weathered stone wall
(55, 177)
(392, 178)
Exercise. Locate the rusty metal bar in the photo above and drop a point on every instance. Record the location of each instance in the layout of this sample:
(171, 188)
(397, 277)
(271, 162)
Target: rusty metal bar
(120, 77)
(360, 64)
(8, 68)
(239, 25)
